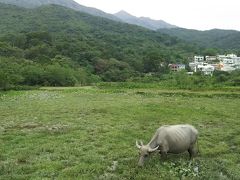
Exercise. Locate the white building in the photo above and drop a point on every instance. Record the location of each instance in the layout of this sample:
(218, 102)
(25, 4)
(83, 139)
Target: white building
(177, 67)
(198, 58)
(231, 55)
(221, 57)
(236, 60)
(210, 59)
(206, 69)
(229, 62)
(227, 67)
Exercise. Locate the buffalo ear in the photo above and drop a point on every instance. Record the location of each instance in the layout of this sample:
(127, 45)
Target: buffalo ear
(138, 146)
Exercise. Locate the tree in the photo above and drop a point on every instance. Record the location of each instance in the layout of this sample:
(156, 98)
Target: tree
(10, 74)
(210, 52)
(59, 76)
(152, 62)
(8, 51)
(112, 70)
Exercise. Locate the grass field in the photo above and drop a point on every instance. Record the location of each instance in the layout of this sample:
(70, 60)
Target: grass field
(90, 133)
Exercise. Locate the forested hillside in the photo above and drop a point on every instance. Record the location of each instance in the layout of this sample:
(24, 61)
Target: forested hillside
(215, 38)
(111, 51)
(56, 46)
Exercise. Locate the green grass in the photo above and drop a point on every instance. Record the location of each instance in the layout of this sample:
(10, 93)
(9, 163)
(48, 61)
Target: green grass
(90, 133)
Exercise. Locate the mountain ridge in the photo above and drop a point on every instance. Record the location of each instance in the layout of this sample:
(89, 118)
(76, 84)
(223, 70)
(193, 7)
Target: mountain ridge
(65, 3)
(121, 16)
(95, 36)
(143, 21)
(213, 38)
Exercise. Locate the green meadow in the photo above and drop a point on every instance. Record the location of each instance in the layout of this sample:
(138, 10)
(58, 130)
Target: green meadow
(90, 132)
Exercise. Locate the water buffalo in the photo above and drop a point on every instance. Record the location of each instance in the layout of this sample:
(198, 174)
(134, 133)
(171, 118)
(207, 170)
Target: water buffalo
(170, 139)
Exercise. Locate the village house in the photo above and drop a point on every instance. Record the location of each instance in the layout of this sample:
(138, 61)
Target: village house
(207, 65)
(198, 58)
(177, 67)
(206, 69)
(229, 62)
(211, 59)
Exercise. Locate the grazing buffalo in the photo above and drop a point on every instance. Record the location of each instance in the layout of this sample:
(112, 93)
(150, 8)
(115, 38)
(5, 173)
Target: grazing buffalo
(170, 139)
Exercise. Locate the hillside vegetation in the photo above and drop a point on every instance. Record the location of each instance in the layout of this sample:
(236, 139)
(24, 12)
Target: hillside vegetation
(228, 40)
(66, 39)
(56, 46)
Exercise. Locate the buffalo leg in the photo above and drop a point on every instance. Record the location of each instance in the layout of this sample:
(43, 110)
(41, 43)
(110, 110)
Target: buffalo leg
(191, 152)
(163, 151)
(163, 155)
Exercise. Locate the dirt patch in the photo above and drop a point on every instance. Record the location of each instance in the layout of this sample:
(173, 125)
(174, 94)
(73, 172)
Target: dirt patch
(30, 125)
(57, 127)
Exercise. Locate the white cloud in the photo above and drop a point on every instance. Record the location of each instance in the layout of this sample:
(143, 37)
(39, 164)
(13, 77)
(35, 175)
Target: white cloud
(193, 14)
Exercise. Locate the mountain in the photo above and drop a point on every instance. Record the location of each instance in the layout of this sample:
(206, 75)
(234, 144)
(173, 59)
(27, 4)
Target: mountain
(53, 45)
(65, 3)
(215, 38)
(143, 21)
(120, 16)
(93, 42)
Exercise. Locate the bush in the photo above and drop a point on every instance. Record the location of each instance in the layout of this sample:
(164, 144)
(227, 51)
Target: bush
(60, 72)
(55, 75)
(221, 76)
(10, 73)
(112, 70)
(235, 78)
(33, 75)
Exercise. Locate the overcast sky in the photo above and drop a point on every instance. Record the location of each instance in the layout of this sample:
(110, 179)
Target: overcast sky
(192, 14)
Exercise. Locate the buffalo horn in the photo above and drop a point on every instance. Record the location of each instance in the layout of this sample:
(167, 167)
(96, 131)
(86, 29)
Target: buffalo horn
(152, 150)
(138, 146)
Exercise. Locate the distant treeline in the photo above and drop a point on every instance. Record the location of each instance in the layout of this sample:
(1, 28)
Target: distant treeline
(34, 59)
(56, 46)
